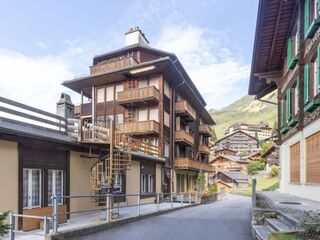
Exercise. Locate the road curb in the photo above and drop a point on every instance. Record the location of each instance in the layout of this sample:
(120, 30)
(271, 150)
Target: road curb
(96, 227)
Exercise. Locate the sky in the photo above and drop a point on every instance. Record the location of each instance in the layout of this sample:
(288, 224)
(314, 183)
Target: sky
(43, 43)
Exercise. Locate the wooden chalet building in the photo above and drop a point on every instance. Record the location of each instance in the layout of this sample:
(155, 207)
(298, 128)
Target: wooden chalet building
(150, 97)
(225, 151)
(238, 141)
(261, 130)
(229, 181)
(286, 57)
(272, 157)
(223, 163)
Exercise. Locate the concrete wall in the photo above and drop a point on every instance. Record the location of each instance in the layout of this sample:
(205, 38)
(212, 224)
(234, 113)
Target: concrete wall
(302, 189)
(158, 178)
(80, 182)
(133, 181)
(9, 176)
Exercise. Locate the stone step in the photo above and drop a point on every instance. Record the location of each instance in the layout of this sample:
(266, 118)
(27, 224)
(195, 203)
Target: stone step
(293, 223)
(277, 225)
(261, 232)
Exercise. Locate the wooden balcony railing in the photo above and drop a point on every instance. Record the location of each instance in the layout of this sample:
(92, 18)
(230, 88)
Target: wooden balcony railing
(97, 132)
(183, 136)
(204, 149)
(113, 65)
(138, 95)
(205, 129)
(183, 108)
(188, 164)
(137, 128)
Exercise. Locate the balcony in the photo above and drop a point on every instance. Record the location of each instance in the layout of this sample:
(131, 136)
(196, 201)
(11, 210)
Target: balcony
(113, 65)
(83, 109)
(184, 109)
(138, 95)
(205, 129)
(188, 164)
(204, 149)
(139, 128)
(183, 136)
(97, 132)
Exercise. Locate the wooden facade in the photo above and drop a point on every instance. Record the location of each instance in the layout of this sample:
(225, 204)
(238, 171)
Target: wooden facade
(295, 163)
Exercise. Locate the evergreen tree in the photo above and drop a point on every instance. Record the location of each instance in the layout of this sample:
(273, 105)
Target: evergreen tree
(200, 182)
(4, 227)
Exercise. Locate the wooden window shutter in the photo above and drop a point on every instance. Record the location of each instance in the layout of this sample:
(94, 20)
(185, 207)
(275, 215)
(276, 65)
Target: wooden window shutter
(289, 51)
(306, 16)
(295, 163)
(288, 104)
(313, 158)
(306, 83)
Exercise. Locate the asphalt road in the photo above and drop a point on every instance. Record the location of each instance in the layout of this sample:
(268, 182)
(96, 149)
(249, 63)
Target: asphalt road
(224, 220)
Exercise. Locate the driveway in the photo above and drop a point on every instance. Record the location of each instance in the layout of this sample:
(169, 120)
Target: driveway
(227, 219)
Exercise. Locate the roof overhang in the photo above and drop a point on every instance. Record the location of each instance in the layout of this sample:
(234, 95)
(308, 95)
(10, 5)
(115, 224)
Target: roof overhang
(275, 21)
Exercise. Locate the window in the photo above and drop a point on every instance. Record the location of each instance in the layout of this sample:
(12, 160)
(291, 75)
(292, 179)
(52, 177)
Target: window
(109, 117)
(143, 83)
(143, 115)
(296, 98)
(166, 149)
(154, 141)
(119, 118)
(166, 119)
(154, 114)
(166, 89)
(147, 183)
(110, 93)
(118, 183)
(311, 12)
(55, 185)
(154, 81)
(31, 188)
(100, 95)
(119, 88)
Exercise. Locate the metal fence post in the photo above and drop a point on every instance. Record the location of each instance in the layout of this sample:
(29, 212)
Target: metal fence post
(171, 200)
(12, 225)
(182, 199)
(158, 202)
(138, 204)
(55, 214)
(189, 198)
(46, 225)
(108, 207)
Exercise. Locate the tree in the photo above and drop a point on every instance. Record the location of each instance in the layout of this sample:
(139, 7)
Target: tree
(255, 166)
(266, 146)
(200, 183)
(274, 130)
(214, 136)
(4, 227)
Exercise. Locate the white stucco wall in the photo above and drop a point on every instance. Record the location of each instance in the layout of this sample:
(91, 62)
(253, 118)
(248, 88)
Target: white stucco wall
(310, 191)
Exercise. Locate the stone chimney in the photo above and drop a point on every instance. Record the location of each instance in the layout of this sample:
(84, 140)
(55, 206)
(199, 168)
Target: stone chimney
(65, 107)
(136, 36)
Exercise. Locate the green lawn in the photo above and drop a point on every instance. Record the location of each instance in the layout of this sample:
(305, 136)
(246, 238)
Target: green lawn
(263, 184)
(283, 236)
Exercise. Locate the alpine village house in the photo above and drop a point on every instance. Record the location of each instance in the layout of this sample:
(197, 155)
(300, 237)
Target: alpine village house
(141, 127)
(286, 57)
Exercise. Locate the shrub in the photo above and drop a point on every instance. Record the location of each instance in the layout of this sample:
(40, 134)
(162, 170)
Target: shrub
(255, 166)
(311, 224)
(200, 182)
(4, 228)
(274, 171)
(213, 189)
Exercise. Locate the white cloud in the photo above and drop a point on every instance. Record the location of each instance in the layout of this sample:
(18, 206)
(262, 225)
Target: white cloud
(212, 67)
(35, 81)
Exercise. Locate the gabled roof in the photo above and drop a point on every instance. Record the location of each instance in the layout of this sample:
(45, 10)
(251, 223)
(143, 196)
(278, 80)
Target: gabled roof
(238, 131)
(236, 176)
(274, 24)
(225, 149)
(232, 158)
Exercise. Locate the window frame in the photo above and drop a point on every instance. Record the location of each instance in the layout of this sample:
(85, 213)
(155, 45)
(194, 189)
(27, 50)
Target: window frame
(60, 201)
(29, 188)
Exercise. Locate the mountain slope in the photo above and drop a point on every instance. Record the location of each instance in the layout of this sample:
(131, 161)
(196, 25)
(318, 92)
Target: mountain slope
(246, 110)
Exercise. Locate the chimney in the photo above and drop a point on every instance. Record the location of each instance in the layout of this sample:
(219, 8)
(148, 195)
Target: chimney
(65, 107)
(136, 36)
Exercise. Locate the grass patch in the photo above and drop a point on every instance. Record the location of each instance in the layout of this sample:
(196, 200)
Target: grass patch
(263, 184)
(283, 236)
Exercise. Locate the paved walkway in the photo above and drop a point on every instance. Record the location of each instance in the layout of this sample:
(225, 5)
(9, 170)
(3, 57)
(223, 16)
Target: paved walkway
(228, 219)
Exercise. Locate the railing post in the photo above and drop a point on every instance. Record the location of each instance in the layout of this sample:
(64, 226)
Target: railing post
(55, 214)
(108, 207)
(46, 225)
(189, 198)
(171, 200)
(158, 202)
(182, 199)
(138, 204)
(12, 226)
(254, 192)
